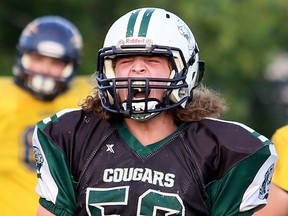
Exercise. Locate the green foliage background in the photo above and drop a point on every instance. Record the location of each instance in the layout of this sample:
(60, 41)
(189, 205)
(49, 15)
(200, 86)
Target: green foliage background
(237, 39)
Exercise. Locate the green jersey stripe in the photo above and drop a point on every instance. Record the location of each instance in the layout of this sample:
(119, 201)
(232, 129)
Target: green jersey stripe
(55, 160)
(145, 22)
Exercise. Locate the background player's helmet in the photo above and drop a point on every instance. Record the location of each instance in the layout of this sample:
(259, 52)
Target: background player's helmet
(149, 31)
(52, 36)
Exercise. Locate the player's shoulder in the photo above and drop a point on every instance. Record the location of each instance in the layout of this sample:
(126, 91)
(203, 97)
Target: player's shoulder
(6, 80)
(7, 85)
(84, 79)
(226, 125)
(72, 119)
(230, 132)
(60, 115)
(282, 130)
(280, 136)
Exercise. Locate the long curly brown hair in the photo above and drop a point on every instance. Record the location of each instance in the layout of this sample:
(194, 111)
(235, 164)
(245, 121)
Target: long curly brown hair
(205, 103)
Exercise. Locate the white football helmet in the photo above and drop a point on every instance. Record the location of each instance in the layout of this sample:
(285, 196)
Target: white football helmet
(149, 31)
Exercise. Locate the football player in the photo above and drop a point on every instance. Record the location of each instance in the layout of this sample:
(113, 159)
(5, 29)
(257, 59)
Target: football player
(149, 142)
(49, 53)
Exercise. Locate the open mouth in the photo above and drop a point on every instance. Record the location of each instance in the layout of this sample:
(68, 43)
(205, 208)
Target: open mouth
(139, 90)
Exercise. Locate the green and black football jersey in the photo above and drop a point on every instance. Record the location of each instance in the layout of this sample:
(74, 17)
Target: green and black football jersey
(88, 166)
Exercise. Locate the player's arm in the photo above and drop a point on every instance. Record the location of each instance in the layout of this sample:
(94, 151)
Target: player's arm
(55, 184)
(240, 194)
(43, 212)
(277, 203)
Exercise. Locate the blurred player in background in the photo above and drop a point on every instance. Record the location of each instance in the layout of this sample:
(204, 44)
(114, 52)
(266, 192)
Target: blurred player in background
(48, 56)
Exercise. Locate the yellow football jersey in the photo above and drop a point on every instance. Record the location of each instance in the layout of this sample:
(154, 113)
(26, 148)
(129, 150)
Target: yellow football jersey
(280, 139)
(19, 112)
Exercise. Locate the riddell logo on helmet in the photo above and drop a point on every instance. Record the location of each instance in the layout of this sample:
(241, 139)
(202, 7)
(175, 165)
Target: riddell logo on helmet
(135, 40)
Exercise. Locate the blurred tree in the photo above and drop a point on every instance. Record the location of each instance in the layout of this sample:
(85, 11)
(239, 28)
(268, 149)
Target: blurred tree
(237, 39)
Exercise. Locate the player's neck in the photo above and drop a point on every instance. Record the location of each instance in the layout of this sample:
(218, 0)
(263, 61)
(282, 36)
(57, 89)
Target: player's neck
(153, 130)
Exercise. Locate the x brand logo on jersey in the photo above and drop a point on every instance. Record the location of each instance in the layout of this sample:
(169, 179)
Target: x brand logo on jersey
(110, 148)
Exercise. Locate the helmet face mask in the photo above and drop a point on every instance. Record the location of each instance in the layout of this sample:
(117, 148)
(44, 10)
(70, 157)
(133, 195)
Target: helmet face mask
(148, 32)
(49, 36)
(43, 87)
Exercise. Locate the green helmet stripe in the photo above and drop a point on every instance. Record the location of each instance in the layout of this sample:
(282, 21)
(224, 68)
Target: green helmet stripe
(131, 24)
(145, 22)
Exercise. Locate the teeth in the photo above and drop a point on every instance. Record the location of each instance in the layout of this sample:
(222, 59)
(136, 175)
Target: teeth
(138, 82)
(139, 88)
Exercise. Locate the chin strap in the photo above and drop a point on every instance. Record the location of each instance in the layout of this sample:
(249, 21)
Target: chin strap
(136, 111)
(143, 117)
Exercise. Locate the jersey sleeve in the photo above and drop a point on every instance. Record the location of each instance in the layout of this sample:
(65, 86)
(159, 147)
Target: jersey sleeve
(246, 184)
(55, 184)
(280, 140)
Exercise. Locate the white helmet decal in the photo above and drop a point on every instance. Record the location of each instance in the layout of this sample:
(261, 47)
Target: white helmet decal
(184, 30)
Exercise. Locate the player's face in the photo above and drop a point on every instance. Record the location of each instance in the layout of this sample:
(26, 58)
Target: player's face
(46, 65)
(143, 66)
